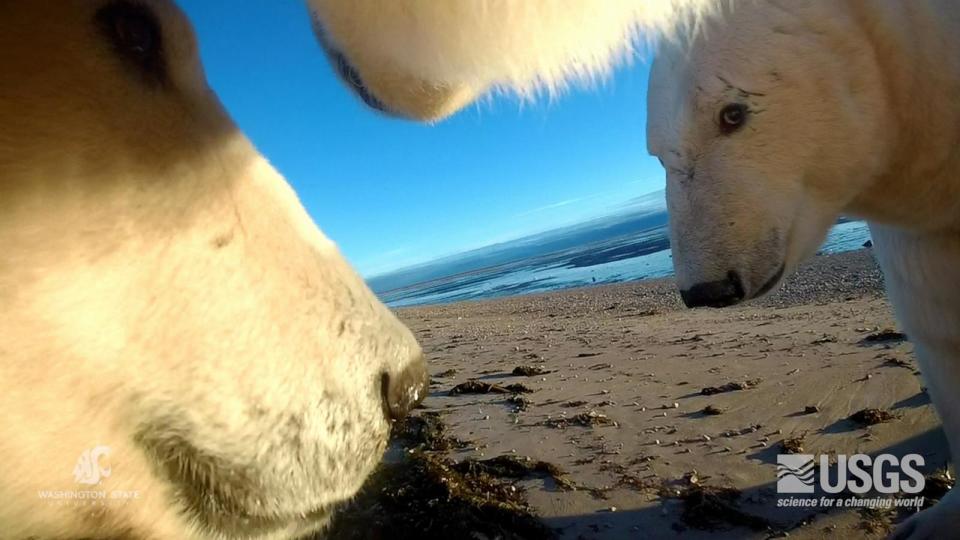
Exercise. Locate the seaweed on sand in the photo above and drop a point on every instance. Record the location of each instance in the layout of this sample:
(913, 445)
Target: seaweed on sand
(730, 387)
(426, 432)
(474, 386)
(712, 508)
(869, 417)
(586, 419)
(530, 371)
(428, 496)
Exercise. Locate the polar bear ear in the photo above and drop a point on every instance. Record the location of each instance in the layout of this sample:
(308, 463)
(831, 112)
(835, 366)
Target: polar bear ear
(425, 59)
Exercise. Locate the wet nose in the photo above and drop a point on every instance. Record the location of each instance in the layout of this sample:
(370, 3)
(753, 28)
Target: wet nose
(404, 390)
(717, 294)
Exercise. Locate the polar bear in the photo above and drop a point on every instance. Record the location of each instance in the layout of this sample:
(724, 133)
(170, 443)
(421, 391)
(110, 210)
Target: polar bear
(780, 116)
(770, 117)
(183, 353)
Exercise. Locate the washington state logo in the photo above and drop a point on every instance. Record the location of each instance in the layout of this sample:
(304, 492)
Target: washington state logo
(90, 470)
(795, 473)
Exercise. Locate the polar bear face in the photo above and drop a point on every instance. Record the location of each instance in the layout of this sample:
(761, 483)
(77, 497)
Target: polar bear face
(769, 124)
(174, 324)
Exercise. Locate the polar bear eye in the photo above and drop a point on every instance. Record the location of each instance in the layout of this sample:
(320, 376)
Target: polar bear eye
(732, 117)
(134, 32)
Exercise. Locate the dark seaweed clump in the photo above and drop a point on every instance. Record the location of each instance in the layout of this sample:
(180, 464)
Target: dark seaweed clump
(430, 497)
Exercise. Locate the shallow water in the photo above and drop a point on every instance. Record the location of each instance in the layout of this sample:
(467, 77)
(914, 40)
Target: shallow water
(629, 257)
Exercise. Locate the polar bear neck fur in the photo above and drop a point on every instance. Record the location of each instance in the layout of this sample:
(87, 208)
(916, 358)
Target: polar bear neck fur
(915, 45)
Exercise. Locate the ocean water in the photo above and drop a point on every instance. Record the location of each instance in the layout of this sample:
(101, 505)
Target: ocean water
(627, 257)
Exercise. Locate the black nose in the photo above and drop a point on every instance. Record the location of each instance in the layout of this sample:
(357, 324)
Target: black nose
(717, 294)
(404, 390)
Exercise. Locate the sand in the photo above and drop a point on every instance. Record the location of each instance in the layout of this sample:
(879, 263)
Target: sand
(634, 365)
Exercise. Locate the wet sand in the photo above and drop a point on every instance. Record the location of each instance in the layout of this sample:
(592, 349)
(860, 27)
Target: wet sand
(640, 400)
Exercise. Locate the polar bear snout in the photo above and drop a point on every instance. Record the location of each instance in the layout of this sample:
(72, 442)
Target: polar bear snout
(724, 266)
(376, 78)
(172, 299)
(405, 390)
(351, 77)
(721, 293)
(726, 292)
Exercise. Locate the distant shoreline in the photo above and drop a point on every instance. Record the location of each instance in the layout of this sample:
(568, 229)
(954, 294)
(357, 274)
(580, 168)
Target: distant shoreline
(823, 279)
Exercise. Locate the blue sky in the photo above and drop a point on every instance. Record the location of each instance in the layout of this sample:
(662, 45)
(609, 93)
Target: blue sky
(393, 193)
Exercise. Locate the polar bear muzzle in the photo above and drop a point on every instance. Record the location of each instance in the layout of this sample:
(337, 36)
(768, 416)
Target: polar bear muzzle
(386, 90)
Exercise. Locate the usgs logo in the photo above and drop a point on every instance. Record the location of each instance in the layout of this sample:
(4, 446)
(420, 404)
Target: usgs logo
(859, 473)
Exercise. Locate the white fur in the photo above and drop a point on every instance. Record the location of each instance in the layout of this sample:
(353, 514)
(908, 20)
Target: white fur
(164, 294)
(475, 46)
(854, 110)
(519, 45)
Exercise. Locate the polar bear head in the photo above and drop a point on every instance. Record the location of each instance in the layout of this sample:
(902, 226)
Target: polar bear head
(770, 121)
(176, 330)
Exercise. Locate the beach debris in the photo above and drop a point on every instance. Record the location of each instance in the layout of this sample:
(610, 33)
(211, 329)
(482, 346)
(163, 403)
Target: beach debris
(636, 482)
(743, 431)
(512, 466)
(869, 417)
(446, 374)
(426, 432)
(936, 486)
(712, 410)
(474, 386)
(824, 339)
(530, 371)
(811, 409)
(584, 419)
(519, 402)
(875, 520)
(714, 508)
(730, 387)
(588, 354)
(898, 362)
(428, 496)
(887, 335)
(576, 403)
(792, 445)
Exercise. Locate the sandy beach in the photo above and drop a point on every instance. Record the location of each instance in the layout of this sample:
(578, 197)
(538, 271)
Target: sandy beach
(668, 421)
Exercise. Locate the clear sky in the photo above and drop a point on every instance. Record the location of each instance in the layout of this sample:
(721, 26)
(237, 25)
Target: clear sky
(392, 193)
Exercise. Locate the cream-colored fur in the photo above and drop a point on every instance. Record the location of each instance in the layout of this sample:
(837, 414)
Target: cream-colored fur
(164, 294)
(426, 59)
(852, 108)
